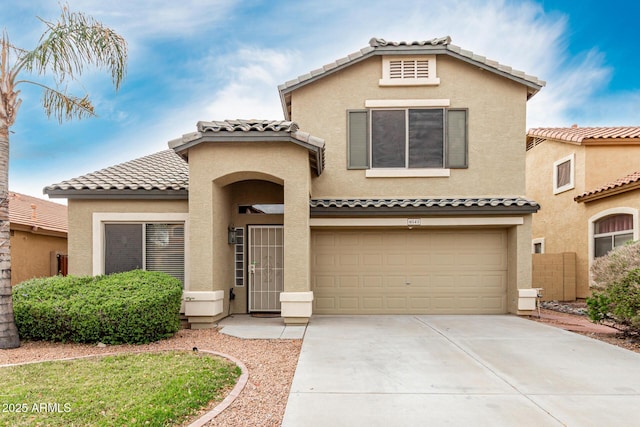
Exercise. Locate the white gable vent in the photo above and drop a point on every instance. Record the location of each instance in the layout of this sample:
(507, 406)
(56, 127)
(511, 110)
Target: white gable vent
(409, 71)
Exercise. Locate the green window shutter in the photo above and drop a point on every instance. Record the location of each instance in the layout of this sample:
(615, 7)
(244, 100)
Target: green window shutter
(457, 146)
(358, 141)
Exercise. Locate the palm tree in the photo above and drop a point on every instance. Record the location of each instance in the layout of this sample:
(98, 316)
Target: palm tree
(65, 50)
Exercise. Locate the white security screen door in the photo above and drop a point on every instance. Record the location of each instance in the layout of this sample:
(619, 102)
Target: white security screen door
(266, 267)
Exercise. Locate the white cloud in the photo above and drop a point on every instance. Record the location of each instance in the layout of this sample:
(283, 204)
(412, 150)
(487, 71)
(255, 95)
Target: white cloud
(571, 89)
(251, 89)
(157, 18)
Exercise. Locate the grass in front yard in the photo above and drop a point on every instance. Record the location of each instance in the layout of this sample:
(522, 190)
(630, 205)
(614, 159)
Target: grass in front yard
(146, 389)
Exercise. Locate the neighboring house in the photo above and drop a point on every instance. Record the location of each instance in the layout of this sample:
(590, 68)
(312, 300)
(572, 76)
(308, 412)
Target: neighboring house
(395, 184)
(586, 181)
(38, 237)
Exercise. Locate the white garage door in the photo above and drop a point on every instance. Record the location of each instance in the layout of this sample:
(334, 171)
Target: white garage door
(409, 271)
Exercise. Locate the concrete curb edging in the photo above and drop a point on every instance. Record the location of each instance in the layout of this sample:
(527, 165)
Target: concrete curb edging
(237, 389)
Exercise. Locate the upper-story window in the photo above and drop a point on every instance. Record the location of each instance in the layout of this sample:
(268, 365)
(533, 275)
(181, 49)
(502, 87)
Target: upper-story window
(409, 70)
(563, 173)
(415, 139)
(408, 138)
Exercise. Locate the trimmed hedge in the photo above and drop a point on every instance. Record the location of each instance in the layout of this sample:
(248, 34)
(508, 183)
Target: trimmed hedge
(134, 307)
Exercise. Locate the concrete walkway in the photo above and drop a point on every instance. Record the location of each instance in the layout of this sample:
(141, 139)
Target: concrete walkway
(249, 327)
(459, 371)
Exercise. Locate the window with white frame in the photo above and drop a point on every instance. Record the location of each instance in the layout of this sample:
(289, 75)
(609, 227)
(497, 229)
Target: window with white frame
(610, 232)
(563, 174)
(147, 246)
(148, 241)
(409, 71)
(537, 246)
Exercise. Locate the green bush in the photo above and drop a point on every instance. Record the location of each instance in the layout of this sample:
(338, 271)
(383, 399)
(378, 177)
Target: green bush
(133, 307)
(618, 303)
(614, 266)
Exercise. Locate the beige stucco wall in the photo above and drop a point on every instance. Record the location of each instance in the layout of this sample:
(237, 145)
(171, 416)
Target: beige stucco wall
(214, 170)
(31, 254)
(562, 222)
(496, 128)
(519, 262)
(600, 161)
(80, 241)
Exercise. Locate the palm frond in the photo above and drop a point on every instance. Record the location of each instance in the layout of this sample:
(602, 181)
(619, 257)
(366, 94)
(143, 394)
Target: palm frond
(64, 106)
(74, 42)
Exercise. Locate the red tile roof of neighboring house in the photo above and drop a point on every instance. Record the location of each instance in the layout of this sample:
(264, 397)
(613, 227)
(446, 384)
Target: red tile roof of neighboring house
(580, 134)
(629, 182)
(34, 212)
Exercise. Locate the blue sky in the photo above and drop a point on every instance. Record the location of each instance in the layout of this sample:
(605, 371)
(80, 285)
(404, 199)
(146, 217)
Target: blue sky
(192, 60)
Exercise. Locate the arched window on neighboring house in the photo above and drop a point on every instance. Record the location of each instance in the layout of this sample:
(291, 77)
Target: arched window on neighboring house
(610, 232)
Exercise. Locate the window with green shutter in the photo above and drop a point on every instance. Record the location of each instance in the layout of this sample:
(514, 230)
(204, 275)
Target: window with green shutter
(358, 146)
(407, 138)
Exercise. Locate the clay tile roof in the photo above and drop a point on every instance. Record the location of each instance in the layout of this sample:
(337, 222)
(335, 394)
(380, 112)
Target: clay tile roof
(617, 186)
(34, 212)
(427, 204)
(378, 46)
(240, 125)
(580, 134)
(164, 171)
(246, 130)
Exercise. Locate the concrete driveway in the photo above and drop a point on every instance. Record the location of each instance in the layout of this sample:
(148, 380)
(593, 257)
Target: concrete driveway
(459, 371)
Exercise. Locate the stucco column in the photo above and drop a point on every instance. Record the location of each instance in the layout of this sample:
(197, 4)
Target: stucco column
(520, 264)
(208, 253)
(296, 300)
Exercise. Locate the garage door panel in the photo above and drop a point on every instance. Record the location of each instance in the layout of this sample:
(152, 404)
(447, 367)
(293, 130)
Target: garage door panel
(372, 259)
(322, 260)
(372, 303)
(409, 271)
(372, 282)
(396, 259)
(419, 281)
(396, 281)
(419, 304)
(324, 303)
(371, 240)
(397, 303)
(348, 281)
(325, 281)
(348, 303)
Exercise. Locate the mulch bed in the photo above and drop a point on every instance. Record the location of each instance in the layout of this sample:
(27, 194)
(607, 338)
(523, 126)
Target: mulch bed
(562, 316)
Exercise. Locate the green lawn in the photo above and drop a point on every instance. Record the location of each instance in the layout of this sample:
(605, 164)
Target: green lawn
(145, 389)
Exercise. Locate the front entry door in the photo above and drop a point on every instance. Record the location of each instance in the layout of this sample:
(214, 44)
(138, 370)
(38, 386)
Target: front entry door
(266, 267)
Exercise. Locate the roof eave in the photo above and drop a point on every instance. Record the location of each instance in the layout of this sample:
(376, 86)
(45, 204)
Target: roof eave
(38, 229)
(112, 194)
(421, 210)
(620, 189)
(451, 50)
(315, 146)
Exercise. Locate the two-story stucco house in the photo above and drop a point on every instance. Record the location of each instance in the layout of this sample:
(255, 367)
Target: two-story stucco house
(586, 180)
(395, 184)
